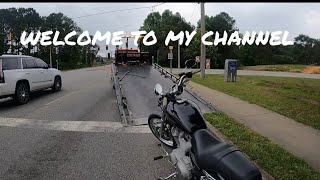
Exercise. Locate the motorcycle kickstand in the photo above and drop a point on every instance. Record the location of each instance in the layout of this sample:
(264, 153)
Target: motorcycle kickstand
(171, 175)
(167, 154)
(161, 157)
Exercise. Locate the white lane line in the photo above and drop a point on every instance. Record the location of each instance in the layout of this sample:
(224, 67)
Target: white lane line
(79, 126)
(60, 98)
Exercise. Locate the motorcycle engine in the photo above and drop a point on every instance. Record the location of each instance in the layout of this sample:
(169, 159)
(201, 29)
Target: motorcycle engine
(179, 155)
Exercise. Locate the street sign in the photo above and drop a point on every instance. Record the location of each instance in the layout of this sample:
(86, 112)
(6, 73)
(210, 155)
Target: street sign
(208, 64)
(170, 55)
(197, 58)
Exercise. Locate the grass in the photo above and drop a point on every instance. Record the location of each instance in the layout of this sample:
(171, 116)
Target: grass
(279, 163)
(284, 68)
(296, 98)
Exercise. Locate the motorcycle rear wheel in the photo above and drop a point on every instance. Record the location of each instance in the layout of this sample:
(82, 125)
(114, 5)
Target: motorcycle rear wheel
(155, 123)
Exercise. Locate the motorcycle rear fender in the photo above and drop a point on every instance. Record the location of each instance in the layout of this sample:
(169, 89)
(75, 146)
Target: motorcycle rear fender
(154, 115)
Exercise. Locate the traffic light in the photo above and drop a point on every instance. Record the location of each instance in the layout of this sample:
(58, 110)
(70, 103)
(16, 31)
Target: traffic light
(9, 36)
(108, 55)
(106, 47)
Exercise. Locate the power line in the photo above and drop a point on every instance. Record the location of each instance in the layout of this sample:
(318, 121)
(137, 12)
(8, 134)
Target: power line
(196, 5)
(152, 8)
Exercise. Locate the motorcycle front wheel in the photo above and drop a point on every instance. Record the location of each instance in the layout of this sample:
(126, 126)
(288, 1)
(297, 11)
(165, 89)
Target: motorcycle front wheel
(155, 124)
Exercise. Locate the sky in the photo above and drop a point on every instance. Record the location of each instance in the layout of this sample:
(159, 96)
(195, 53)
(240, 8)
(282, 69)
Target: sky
(296, 18)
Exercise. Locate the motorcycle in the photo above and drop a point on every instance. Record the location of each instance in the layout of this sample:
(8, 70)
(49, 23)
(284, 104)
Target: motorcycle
(196, 153)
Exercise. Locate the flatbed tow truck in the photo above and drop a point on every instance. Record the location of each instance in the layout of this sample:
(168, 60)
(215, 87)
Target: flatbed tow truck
(134, 76)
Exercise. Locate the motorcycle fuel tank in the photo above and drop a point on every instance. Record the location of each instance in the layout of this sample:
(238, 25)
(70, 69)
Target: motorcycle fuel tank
(187, 115)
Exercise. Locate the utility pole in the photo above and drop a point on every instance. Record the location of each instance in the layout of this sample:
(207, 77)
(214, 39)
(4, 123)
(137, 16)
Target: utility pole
(178, 55)
(203, 48)
(86, 55)
(50, 57)
(2, 42)
(170, 48)
(127, 46)
(158, 56)
(11, 43)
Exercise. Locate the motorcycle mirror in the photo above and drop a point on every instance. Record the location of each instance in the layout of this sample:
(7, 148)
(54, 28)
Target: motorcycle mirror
(186, 64)
(158, 89)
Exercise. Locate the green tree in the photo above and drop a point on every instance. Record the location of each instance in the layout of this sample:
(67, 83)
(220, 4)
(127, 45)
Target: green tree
(220, 23)
(16, 21)
(162, 24)
(27, 19)
(306, 50)
(217, 54)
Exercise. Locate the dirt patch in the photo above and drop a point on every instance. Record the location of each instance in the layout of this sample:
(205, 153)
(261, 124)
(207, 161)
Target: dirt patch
(311, 70)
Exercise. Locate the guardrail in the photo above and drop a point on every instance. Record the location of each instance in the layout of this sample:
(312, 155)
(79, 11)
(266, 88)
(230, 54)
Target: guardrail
(166, 73)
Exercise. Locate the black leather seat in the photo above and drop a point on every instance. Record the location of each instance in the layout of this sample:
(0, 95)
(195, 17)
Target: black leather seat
(208, 150)
(213, 155)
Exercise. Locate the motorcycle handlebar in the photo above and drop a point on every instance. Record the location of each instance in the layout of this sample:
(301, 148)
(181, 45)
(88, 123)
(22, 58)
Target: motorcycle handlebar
(189, 74)
(195, 72)
(179, 88)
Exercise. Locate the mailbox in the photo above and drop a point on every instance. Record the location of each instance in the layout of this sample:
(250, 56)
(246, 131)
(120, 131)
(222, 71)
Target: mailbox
(230, 70)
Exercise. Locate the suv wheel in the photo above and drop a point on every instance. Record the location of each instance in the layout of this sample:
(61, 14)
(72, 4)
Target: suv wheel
(22, 94)
(57, 84)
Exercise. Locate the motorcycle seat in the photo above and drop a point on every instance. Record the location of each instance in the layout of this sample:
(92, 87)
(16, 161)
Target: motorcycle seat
(208, 149)
(213, 155)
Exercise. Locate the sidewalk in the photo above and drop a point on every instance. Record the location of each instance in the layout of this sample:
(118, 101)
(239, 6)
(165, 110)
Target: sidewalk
(298, 139)
(254, 73)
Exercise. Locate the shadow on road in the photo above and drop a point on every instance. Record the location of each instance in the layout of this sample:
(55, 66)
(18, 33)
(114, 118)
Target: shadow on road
(8, 103)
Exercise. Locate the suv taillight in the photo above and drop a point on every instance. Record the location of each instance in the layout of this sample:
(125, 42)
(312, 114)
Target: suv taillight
(1, 73)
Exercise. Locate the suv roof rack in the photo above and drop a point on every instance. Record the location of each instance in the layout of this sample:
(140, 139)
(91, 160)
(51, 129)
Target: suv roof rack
(13, 55)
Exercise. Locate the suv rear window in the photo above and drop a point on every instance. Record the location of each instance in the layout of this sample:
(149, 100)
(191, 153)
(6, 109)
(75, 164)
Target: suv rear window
(10, 63)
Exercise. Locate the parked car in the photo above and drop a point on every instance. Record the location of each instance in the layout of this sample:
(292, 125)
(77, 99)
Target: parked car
(20, 75)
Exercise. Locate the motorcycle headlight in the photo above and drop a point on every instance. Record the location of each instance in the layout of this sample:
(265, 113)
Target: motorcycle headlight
(164, 102)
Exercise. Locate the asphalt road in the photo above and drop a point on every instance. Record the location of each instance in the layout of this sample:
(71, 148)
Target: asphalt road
(75, 134)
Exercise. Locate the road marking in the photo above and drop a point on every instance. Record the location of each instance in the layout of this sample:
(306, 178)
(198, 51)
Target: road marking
(140, 121)
(78, 126)
(60, 98)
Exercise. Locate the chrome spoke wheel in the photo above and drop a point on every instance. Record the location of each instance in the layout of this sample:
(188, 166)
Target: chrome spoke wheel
(155, 126)
(22, 94)
(57, 84)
